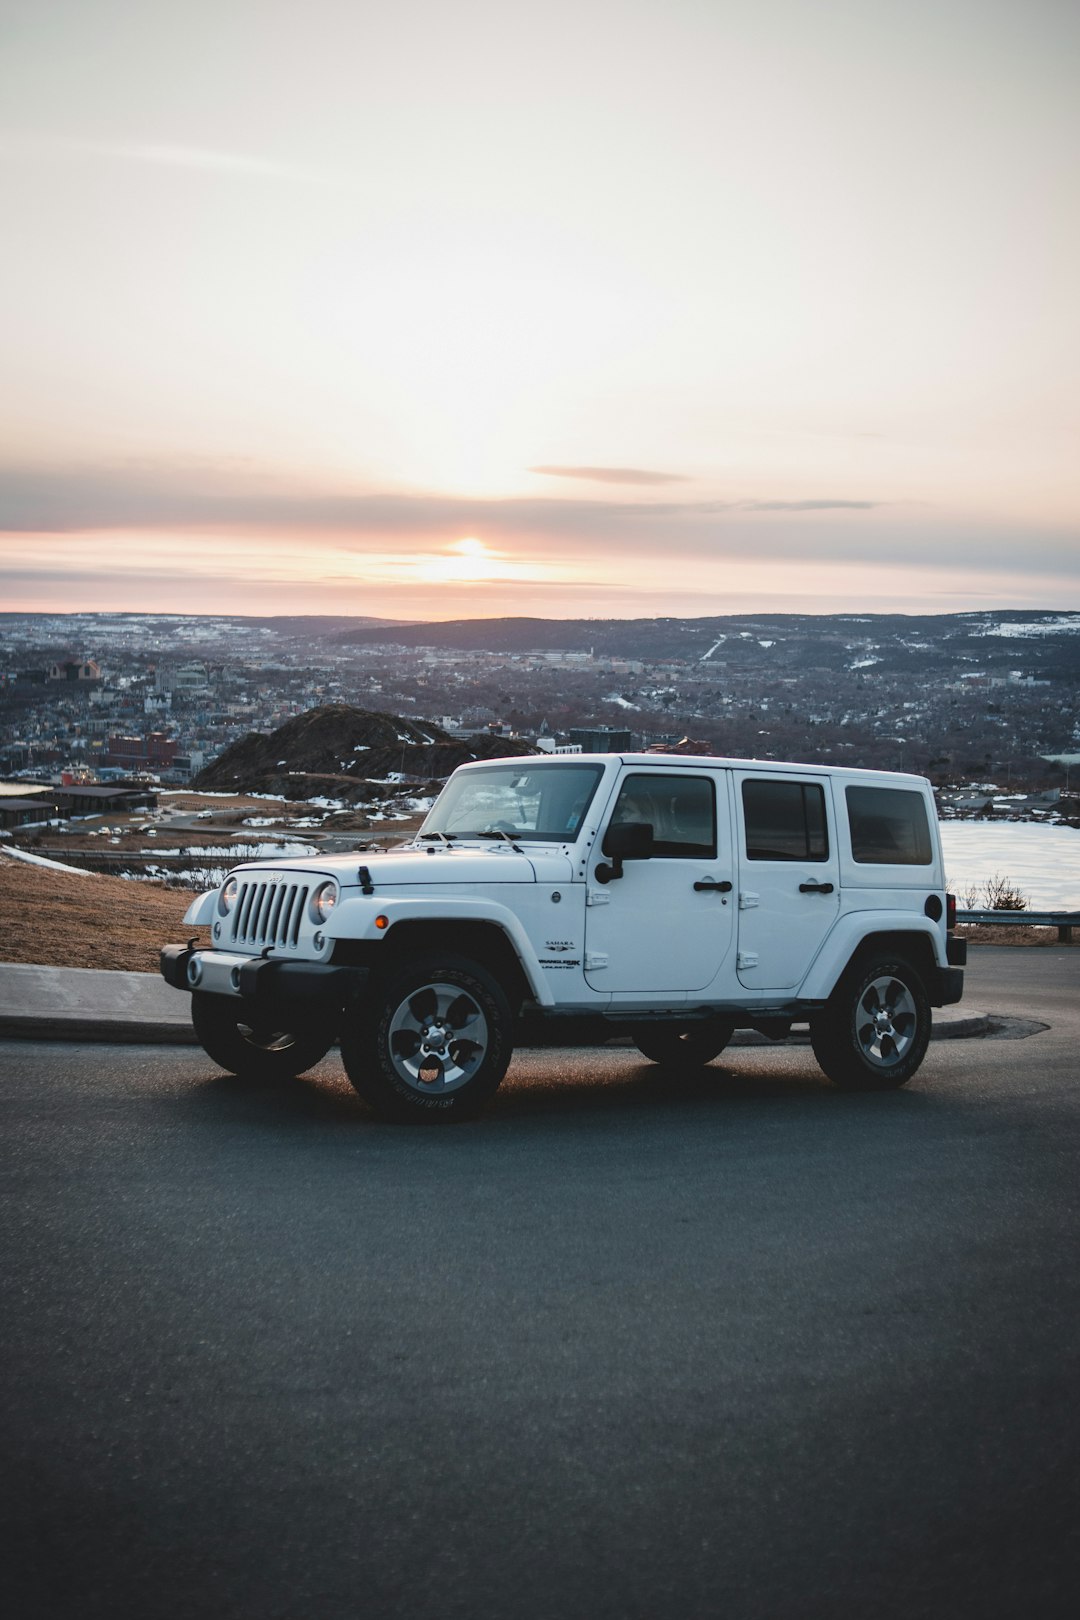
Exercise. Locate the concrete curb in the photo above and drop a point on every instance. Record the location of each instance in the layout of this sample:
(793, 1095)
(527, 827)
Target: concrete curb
(89, 1004)
(86, 1004)
(110, 1031)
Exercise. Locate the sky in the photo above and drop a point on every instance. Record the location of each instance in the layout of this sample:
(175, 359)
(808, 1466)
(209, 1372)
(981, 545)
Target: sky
(459, 308)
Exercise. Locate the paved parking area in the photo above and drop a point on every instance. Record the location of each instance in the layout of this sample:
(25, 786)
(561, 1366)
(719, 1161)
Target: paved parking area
(737, 1346)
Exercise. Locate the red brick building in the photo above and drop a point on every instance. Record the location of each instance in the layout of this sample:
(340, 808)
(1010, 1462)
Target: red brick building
(154, 752)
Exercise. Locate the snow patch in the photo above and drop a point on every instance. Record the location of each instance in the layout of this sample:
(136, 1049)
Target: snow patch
(1031, 627)
(1043, 862)
(39, 860)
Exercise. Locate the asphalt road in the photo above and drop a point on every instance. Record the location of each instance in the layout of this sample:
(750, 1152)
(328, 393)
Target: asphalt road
(737, 1346)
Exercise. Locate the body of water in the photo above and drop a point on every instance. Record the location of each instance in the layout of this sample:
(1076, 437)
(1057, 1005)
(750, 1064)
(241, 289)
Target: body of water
(1042, 862)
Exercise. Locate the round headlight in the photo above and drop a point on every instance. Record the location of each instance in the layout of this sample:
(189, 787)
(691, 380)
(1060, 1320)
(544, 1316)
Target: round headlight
(227, 897)
(323, 901)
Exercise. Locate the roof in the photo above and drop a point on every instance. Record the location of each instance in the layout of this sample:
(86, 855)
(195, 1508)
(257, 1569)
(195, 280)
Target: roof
(711, 762)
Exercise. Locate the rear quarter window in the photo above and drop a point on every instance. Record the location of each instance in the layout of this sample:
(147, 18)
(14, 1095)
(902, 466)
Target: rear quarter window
(889, 827)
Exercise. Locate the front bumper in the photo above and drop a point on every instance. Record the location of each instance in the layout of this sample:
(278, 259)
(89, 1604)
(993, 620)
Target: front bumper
(262, 980)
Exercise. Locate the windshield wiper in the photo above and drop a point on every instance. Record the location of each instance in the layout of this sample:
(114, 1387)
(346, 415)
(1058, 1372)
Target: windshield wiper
(500, 832)
(445, 838)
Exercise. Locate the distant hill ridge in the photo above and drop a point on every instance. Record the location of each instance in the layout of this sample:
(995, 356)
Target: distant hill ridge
(1021, 638)
(344, 752)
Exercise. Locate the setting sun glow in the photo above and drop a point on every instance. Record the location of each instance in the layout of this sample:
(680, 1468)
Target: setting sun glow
(468, 561)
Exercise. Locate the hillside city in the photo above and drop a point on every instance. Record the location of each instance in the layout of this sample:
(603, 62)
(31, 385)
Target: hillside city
(981, 703)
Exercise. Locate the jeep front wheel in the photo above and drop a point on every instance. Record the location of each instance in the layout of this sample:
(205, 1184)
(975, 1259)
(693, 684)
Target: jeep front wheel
(433, 1041)
(257, 1045)
(873, 1032)
(689, 1046)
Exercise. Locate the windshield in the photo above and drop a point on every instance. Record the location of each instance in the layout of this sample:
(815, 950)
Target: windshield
(519, 801)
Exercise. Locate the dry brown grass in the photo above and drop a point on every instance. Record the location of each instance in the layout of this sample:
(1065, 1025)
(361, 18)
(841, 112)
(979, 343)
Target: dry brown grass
(84, 920)
(1007, 934)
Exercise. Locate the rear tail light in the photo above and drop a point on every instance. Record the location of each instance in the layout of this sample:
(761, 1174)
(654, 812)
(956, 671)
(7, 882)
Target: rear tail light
(950, 912)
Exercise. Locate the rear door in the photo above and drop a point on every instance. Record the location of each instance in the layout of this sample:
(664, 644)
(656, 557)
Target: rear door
(789, 876)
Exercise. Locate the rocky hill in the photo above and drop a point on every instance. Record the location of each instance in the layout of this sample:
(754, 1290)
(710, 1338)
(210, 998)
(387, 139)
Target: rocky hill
(345, 753)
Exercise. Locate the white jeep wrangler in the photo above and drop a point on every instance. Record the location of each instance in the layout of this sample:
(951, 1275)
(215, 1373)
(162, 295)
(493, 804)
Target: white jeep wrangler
(672, 898)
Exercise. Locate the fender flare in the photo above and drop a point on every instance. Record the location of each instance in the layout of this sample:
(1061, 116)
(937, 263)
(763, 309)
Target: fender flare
(441, 910)
(851, 931)
(201, 910)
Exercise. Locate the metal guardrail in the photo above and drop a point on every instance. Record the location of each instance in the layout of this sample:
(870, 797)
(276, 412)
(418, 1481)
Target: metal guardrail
(1063, 921)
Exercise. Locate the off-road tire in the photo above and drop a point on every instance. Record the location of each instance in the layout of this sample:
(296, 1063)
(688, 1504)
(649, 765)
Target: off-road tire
(431, 1041)
(683, 1047)
(259, 1046)
(873, 1032)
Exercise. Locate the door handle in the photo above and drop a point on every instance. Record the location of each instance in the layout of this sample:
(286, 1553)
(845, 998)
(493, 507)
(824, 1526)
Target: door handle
(815, 888)
(710, 885)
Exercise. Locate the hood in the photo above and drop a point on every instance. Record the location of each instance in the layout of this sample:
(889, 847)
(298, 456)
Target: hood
(495, 863)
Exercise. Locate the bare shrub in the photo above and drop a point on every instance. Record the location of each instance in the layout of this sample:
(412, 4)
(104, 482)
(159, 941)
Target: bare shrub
(996, 893)
(1003, 895)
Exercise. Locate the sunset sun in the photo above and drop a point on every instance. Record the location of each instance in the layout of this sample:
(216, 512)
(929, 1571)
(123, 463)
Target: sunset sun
(466, 561)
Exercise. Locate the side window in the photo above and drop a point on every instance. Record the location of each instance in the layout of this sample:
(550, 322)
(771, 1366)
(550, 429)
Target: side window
(785, 821)
(680, 809)
(889, 826)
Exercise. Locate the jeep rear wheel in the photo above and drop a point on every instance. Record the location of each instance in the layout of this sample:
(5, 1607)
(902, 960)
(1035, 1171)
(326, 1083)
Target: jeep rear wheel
(257, 1045)
(687, 1046)
(873, 1032)
(432, 1042)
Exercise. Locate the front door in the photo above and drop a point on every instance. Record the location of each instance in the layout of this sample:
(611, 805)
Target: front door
(666, 924)
(789, 877)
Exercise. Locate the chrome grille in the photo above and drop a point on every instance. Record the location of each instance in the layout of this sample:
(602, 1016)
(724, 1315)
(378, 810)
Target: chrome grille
(269, 913)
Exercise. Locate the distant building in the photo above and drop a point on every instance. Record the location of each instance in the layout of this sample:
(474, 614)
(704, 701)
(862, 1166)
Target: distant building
(601, 739)
(97, 801)
(191, 678)
(154, 752)
(685, 745)
(74, 669)
(185, 766)
(185, 678)
(25, 812)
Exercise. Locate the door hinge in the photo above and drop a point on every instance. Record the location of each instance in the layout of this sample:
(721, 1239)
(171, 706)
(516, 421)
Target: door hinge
(595, 960)
(746, 959)
(597, 897)
(747, 900)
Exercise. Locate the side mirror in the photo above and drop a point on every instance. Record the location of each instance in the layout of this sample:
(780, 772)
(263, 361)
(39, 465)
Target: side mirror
(626, 841)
